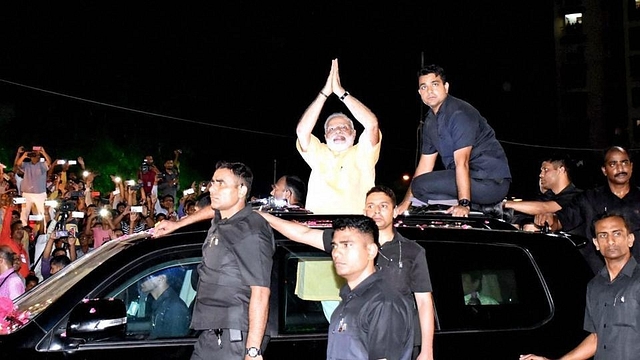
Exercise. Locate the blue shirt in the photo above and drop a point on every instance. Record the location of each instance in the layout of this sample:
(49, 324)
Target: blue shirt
(458, 125)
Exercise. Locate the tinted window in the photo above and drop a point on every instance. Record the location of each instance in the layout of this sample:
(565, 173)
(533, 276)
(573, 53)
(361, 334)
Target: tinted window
(306, 289)
(486, 287)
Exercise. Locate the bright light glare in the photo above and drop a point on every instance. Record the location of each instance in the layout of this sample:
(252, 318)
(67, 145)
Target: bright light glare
(572, 19)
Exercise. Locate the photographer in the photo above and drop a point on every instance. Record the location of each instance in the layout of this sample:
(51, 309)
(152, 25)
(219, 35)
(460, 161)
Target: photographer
(34, 183)
(59, 243)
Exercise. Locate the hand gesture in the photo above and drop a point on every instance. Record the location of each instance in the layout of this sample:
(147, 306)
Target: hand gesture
(81, 161)
(335, 79)
(21, 150)
(327, 89)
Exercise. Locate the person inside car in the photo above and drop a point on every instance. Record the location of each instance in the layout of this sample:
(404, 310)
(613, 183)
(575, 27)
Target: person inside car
(169, 314)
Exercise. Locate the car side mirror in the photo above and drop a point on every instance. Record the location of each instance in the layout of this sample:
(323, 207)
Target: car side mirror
(97, 319)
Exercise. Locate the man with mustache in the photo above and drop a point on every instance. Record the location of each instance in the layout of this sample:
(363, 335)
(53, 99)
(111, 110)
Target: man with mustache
(341, 172)
(617, 195)
(611, 314)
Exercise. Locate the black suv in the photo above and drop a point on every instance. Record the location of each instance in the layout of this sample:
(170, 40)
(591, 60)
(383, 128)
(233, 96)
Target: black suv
(93, 308)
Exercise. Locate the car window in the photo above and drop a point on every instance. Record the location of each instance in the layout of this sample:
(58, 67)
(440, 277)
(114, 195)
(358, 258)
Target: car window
(310, 292)
(159, 300)
(486, 287)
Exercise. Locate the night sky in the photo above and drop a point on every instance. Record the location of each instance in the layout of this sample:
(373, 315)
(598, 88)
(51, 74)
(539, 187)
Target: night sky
(230, 81)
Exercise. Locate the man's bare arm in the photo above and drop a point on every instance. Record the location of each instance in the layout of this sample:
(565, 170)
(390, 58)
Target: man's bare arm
(533, 207)
(310, 117)
(167, 226)
(294, 231)
(362, 113)
(425, 165)
(424, 300)
(258, 315)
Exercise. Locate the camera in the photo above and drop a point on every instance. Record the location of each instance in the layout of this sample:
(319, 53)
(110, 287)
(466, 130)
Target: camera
(68, 206)
(32, 154)
(135, 187)
(144, 167)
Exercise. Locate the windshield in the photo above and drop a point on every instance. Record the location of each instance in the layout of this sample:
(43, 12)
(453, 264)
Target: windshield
(32, 303)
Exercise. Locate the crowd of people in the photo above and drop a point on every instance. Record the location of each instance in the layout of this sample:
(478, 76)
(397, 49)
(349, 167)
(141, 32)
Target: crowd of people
(386, 274)
(52, 216)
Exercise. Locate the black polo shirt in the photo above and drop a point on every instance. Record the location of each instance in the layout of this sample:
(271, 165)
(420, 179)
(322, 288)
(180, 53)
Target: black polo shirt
(371, 322)
(613, 313)
(237, 253)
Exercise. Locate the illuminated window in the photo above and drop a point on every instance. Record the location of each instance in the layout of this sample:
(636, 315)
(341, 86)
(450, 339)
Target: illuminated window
(576, 18)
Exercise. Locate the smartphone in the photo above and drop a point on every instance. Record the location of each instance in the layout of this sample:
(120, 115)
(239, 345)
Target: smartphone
(37, 148)
(72, 162)
(136, 209)
(95, 194)
(62, 233)
(41, 159)
(130, 182)
(188, 191)
(72, 229)
(60, 162)
(77, 214)
(19, 200)
(36, 217)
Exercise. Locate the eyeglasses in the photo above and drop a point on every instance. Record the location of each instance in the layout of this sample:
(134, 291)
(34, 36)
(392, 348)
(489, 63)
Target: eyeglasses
(612, 164)
(343, 128)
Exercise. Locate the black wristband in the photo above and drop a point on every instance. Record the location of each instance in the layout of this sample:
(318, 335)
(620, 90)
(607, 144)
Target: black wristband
(464, 202)
(323, 94)
(346, 93)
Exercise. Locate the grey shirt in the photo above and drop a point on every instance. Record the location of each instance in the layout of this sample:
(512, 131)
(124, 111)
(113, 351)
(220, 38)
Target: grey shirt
(35, 177)
(613, 312)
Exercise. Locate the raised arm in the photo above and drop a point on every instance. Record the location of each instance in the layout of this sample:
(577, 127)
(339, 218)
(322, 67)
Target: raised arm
(294, 231)
(362, 113)
(310, 116)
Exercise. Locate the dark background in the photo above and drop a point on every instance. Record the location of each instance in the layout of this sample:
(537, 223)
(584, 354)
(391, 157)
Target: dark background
(230, 81)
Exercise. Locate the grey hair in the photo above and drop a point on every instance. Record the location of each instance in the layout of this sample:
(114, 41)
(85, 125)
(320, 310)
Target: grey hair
(335, 115)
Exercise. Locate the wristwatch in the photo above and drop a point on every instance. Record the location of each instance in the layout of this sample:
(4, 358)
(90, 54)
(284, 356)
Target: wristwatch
(464, 202)
(253, 351)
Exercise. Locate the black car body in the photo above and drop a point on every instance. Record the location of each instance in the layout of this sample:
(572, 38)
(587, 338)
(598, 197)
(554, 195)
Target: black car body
(539, 281)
